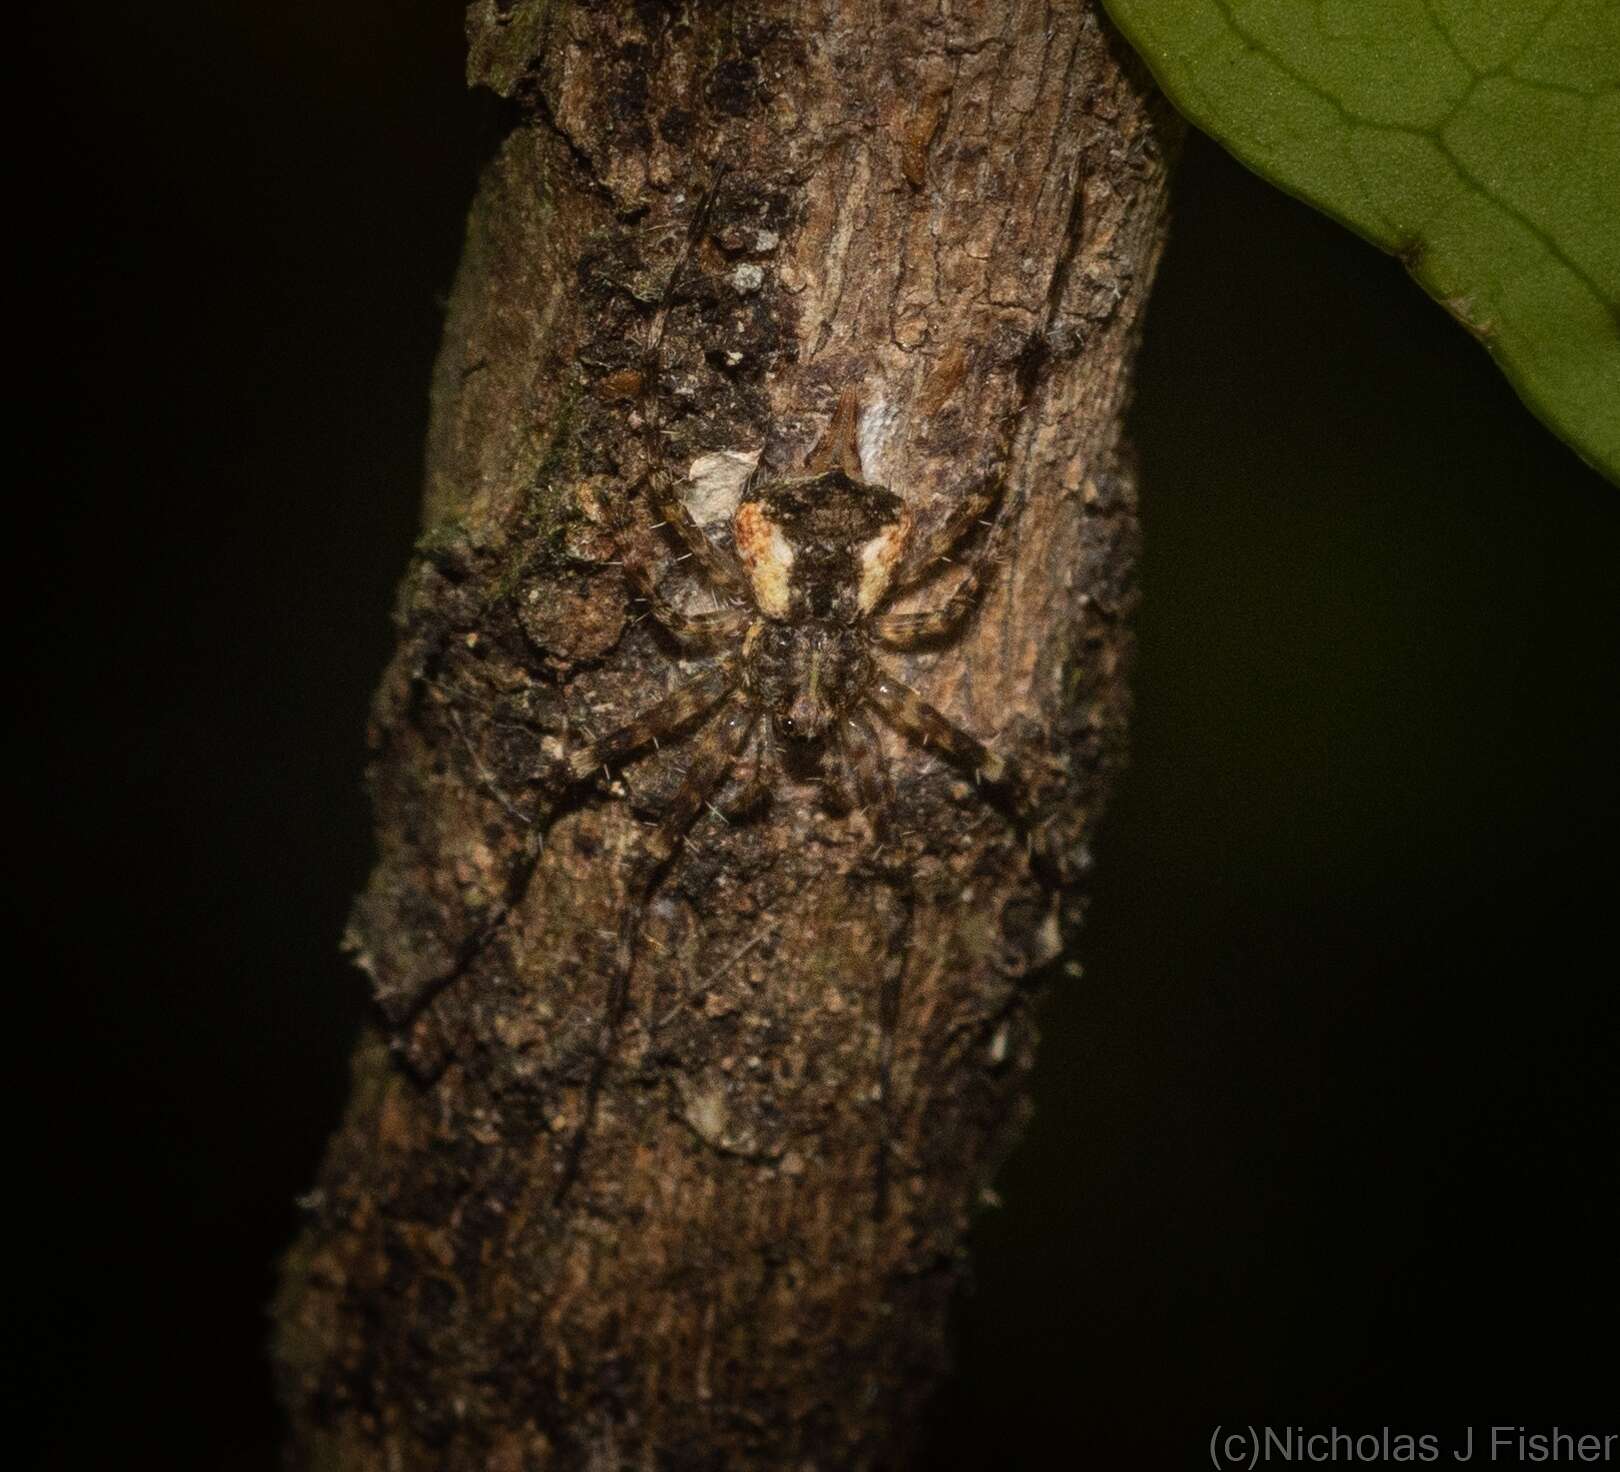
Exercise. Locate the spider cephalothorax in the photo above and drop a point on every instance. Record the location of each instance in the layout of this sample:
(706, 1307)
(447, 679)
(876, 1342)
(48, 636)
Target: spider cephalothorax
(806, 677)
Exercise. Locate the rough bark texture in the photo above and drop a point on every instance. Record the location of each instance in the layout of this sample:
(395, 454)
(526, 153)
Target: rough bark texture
(961, 212)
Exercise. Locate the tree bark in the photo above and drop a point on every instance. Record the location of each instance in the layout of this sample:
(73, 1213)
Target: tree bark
(826, 1048)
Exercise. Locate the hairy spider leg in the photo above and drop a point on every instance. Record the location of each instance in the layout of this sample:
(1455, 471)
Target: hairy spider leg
(934, 550)
(712, 755)
(913, 716)
(756, 787)
(860, 766)
(700, 629)
(717, 745)
(683, 705)
(910, 714)
(696, 228)
(717, 563)
(865, 760)
(904, 630)
(925, 558)
(713, 752)
(888, 1024)
(901, 630)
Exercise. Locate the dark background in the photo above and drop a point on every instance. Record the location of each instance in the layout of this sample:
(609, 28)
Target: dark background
(1327, 1131)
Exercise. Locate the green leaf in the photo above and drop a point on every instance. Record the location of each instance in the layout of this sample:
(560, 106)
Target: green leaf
(1479, 140)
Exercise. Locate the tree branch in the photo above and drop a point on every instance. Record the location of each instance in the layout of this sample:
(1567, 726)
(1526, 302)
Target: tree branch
(825, 1050)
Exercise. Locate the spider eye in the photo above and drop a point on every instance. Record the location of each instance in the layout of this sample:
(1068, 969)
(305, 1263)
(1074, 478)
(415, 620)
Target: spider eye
(786, 723)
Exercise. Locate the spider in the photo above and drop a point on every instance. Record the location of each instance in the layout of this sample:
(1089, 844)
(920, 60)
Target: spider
(817, 557)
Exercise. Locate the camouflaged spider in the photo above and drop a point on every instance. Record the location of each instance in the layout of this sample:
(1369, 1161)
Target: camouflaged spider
(818, 556)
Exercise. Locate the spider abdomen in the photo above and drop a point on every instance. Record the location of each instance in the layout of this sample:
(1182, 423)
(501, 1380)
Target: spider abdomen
(821, 546)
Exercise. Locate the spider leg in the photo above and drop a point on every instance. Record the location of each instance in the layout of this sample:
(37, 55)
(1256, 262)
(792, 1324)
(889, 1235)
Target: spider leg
(836, 777)
(888, 1024)
(908, 712)
(712, 756)
(684, 704)
(711, 759)
(902, 630)
(935, 548)
(696, 228)
(689, 628)
(719, 566)
(756, 788)
(865, 760)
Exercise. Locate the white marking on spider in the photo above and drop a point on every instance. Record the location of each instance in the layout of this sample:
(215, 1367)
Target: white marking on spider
(767, 557)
